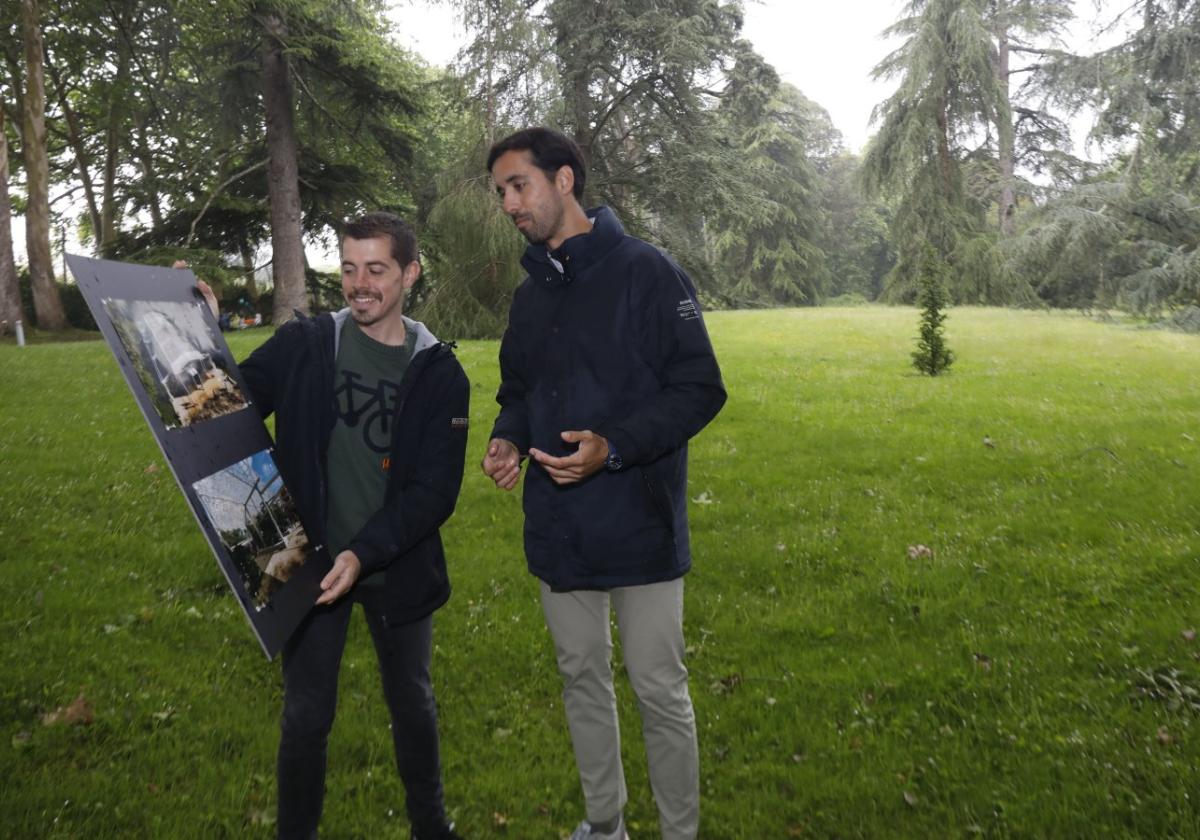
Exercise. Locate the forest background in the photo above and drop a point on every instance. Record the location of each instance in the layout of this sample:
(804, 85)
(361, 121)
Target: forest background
(233, 133)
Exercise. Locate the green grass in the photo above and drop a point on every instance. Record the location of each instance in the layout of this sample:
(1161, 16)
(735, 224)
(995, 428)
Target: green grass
(1000, 687)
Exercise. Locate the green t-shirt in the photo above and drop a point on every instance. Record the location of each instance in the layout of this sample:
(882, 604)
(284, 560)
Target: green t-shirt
(366, 385)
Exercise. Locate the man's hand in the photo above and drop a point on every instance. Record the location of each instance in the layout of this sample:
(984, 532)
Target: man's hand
(204, 289)
(341, 577)
(587, 459)
(502, 463)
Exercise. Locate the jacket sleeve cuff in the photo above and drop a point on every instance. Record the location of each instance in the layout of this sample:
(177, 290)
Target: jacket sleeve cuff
(519, 441)
(623, 443)
(372, 558)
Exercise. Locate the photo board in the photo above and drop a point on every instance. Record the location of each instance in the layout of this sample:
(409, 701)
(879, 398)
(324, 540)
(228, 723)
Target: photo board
(195, 400)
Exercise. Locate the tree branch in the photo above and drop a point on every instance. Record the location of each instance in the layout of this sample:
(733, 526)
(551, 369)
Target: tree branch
(212, 196)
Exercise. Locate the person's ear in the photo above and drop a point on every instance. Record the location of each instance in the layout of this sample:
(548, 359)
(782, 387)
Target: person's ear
(564, 179)
(412, 272)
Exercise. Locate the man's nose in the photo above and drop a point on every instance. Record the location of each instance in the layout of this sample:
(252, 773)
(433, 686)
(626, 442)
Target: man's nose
(511, 204)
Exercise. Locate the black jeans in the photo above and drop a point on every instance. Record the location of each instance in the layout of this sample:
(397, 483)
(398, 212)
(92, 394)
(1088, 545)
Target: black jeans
(311, 660)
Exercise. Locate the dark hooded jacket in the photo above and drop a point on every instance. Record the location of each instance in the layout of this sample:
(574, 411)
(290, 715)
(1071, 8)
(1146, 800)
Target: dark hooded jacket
(606, 334)
(291, 375)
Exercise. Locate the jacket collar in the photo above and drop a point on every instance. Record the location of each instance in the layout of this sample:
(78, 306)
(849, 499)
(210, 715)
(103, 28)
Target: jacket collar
(425, 338)
(578, 253)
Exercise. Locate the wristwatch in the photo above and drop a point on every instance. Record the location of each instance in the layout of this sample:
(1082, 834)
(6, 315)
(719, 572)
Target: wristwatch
(613, 462)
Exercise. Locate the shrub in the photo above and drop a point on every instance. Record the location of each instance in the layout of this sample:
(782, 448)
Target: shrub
(932, 356)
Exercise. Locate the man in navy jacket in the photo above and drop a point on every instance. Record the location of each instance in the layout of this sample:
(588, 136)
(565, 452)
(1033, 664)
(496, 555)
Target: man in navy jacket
(371, 428)
(606, 372)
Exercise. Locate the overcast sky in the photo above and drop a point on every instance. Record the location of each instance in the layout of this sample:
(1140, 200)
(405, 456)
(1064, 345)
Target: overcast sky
(819, 47)
(826, 49)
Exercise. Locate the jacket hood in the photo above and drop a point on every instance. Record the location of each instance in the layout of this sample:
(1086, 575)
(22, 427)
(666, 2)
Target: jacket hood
(576, 254)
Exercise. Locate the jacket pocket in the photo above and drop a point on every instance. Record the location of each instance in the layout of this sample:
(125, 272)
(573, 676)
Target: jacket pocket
(660, 501)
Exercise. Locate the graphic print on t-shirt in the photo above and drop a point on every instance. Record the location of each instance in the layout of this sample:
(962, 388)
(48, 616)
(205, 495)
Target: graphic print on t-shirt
(367, 407)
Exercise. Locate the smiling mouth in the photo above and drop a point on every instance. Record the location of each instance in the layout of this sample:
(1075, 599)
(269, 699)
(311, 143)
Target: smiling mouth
(364, 298)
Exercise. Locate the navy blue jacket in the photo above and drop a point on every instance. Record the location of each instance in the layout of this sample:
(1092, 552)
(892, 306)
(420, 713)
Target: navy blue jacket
(613, 342)
(291, 375)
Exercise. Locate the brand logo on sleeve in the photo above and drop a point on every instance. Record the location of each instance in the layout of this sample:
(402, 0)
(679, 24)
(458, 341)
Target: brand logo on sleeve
(459, 423)
(687, 309)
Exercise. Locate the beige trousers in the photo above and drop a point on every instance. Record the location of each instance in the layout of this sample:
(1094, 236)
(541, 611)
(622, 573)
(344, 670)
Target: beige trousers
(650, 621)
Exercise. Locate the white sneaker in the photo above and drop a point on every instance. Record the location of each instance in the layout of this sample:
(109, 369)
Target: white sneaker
(584, 831)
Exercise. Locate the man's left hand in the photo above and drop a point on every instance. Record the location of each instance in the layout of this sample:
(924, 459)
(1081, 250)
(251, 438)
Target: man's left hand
(341, 577)
(587, 459)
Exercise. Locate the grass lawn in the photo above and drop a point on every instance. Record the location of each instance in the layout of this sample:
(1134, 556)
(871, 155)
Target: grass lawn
(1034, 673)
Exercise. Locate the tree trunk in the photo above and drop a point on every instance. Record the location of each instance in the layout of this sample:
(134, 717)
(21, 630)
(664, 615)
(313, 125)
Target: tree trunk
(37, 174)
(945, 160)
(149, 176)
(248, 270)
(107, 234)
(283, 176)
(10, 293)
(490, 47)
(1004, 127)
(75, 138)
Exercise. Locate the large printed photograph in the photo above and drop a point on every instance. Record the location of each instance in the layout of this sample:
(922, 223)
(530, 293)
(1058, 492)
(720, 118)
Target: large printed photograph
(253, 513)
(176, 358)
(188, 387)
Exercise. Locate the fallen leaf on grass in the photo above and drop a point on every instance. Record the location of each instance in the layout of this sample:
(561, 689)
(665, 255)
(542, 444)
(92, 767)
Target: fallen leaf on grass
(987, 441)
(1164, 736)
(1189, 635)
(910, 798)
(983, 662)
(500, 820)
(703, 499)
(727, 684)
(919, 552)
(1168, 686)
(260, 816)
(77, 712)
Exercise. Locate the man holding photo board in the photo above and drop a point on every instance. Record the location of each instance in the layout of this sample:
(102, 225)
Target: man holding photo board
(370, 429)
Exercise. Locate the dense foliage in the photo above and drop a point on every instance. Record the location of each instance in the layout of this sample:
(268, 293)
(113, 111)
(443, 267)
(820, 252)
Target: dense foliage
(231, 133)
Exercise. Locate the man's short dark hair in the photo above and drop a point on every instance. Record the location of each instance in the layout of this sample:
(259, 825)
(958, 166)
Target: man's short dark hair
(371, 225)
(550, 150)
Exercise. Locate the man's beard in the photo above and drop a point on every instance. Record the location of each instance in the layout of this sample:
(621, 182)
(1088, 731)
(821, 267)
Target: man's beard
(366, 318)
(538, 233)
